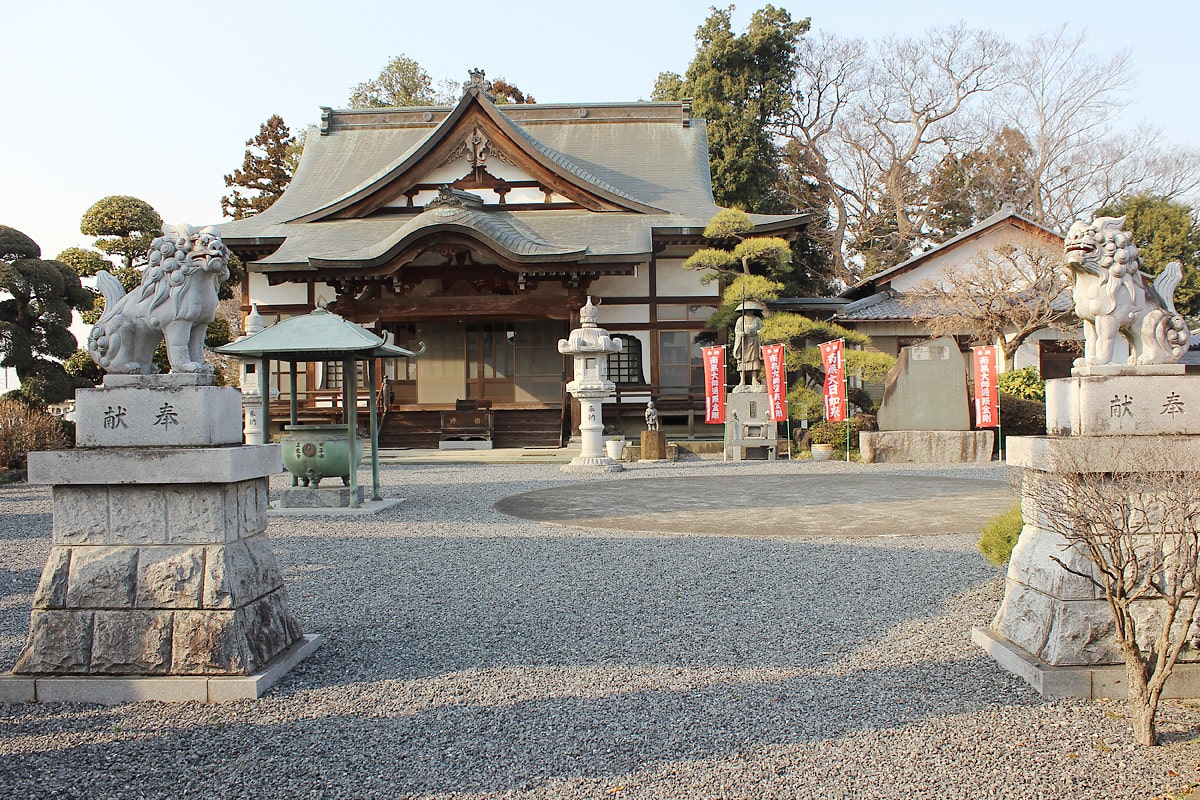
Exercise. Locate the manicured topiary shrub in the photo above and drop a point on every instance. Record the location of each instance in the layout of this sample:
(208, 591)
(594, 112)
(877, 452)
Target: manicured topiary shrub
(1000, 536)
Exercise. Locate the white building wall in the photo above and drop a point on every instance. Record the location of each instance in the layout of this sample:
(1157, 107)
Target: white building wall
(610, 315)
(636, 285)
(675, 281)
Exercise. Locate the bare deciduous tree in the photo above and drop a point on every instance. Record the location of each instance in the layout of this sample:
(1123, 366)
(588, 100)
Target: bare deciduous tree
(871, 123)
(1065, 101)
(912, 112)
(1141, 532)
(1003, 296)
(830, 74)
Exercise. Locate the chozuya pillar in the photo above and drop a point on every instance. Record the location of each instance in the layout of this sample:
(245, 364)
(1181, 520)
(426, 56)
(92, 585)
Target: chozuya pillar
(1054, 627)
(161, 583)
(590, 345)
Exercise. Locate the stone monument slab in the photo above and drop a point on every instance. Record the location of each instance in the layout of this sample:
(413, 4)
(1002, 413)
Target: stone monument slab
(926, 390)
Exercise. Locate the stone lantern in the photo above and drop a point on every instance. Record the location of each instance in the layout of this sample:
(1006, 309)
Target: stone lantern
(590, 345)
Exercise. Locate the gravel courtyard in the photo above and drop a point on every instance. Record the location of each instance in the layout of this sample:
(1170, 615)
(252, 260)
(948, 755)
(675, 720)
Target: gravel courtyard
(470, 653)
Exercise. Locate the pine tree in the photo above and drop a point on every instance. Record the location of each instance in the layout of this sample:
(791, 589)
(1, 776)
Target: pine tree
(265, 173)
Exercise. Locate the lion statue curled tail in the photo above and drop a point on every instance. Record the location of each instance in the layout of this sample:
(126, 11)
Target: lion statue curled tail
(1113, 299)
(176, 301)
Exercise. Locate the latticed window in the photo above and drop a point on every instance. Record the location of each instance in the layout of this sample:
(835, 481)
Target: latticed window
(625, 367)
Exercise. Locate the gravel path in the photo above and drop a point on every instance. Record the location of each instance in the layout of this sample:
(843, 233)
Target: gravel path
(471, 654)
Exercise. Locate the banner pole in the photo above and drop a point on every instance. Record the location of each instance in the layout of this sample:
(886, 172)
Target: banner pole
(846, 394)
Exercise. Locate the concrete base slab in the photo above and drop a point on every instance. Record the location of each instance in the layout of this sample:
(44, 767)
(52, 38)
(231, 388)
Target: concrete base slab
(367, 507)
(316, 497)
(111, 690)
(1106, 681)
(464, 444)
(925, 447)
(611, 466)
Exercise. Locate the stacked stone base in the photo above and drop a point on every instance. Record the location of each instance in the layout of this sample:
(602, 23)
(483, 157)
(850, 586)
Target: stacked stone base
(926, 447)
(162, 579)
(1054, 627)
(160, 569)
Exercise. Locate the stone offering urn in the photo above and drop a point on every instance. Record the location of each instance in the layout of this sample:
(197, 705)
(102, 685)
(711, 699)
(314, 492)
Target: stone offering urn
(590, 345)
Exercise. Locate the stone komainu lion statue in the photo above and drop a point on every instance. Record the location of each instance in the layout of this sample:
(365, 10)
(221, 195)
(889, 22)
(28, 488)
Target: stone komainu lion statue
(176, 301)
(1113, 299)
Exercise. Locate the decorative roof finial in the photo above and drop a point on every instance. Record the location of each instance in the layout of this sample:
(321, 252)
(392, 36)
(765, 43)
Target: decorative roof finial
(480, 83)
(589, 315)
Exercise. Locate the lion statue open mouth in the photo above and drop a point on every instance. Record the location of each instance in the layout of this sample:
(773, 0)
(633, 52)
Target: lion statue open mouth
(176, 301)
(1113, 299)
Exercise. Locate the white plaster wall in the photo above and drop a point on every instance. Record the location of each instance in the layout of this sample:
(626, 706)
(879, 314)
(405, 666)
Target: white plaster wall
(448, 173)
(636, 285)
(936, 265)
(623, 314)
(286, 293)
(674, 280)
(282, 294)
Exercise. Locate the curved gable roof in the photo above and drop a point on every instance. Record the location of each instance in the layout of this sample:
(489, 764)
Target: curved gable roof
(499, 231)
(475, 102)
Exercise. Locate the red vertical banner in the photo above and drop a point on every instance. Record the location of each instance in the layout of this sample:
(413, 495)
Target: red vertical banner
(987, 399)
(714, 385)
(772, 356)
(833, 361)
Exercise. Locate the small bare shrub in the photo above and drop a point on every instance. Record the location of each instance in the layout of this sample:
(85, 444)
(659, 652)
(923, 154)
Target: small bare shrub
(1141, 533)
(24, 430)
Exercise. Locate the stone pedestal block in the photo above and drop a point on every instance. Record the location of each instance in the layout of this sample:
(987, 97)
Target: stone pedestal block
(314, 497)
(1054, 627)
(1127, 403)
(926, 447)
(749, 431)
(138, 416)
(196, 591)
(654, 446)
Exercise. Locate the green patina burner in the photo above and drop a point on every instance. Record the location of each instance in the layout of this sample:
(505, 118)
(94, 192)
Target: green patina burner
(313, 452)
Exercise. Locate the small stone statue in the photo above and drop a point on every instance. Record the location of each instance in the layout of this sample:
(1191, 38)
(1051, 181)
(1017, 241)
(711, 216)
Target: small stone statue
(746, 350)
(651, 417)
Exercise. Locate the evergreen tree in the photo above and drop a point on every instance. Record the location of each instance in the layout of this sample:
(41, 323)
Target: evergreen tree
(1164, 230)
(967, 188)
(38, 297)
(266, 170)
(402, 82)
(741, 84)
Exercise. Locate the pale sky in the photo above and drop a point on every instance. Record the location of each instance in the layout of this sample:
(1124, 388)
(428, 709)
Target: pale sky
(156, 99)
